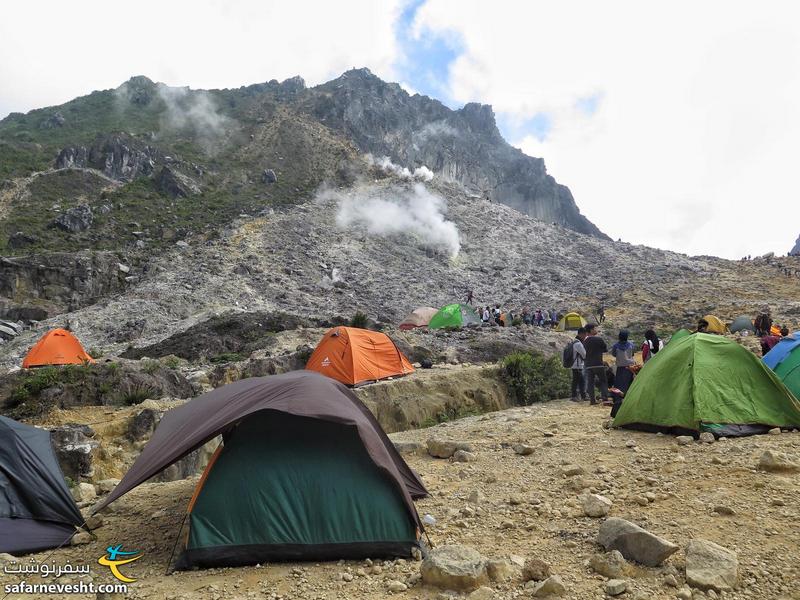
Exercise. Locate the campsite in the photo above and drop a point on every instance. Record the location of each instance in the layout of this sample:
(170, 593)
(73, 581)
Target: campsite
(409, 299)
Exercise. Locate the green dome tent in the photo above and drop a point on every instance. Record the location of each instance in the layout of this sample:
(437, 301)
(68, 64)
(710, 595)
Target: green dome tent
(454, 316)
(707, 382)
(681, 333)
(741, 324)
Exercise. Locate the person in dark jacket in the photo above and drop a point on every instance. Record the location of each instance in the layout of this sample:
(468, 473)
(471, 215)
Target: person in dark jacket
(622, 352)
(595, 369)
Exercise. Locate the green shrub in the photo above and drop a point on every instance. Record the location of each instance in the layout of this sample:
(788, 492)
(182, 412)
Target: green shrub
(516, 322)
(226, 357)
(532, 377)
(359, 320)
(136, 394)
(172, 361)
(33, 383)
(150, 366)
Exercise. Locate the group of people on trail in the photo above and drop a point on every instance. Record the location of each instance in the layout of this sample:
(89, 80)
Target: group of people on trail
(541, 317)
(590, 374)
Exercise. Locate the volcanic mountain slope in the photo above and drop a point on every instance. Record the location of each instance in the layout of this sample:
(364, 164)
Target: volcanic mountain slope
(302, 260)
(185, 162)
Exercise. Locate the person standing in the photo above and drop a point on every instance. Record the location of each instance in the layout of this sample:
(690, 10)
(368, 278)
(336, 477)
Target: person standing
(595, 369)
(578, 363)
(622, 352)
(651, 345)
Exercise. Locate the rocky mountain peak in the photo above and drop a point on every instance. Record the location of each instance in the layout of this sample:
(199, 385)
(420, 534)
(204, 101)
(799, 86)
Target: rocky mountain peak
(796, 250)
(480, 119)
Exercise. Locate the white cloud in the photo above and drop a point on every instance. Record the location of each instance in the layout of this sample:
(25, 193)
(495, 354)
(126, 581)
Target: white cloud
(54, 51)
(693, 145)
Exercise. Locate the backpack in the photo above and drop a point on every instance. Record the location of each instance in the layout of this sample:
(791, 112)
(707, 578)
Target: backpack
(568, 355)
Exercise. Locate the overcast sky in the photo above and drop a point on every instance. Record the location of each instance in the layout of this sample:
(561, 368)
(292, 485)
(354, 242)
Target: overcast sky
(675, 125)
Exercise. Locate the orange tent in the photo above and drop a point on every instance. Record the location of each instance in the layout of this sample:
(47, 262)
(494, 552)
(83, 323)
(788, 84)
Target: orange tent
(56, 347)
(354, 356)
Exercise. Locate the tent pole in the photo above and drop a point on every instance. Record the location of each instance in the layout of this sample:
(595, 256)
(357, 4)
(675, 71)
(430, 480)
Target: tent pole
(175, 545)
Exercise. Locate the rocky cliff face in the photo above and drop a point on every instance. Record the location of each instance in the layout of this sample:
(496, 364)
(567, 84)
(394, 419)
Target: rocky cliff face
(796, 250)
(464, 146)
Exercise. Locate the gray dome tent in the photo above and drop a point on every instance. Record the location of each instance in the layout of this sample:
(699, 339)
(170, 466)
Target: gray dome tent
(742, 323)
(37, 511)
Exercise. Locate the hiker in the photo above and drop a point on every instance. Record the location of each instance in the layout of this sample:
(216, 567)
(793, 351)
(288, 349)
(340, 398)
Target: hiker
(622, 352)
(537, 317)
(651, 345)
(762, 323)
(578, 353)
(768, 343)
(486, 316)
(601, 313)
(526, 315)
(545, 318)
(594, 367)
(496, 313)
(702, 326)
(469, 297)
(553, 317)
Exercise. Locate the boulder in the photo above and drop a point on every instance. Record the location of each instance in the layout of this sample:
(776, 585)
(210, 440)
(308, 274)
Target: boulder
(81, 538)
(552, 586)
(396, 586)
(615, 587)
(710, 566)
(535, 569)
(75, 449)
(523, 449)
(634, 542)
(499, 570)
(777, 462)
(269, 176)
(482, 593)
(439, 448)
(142, 425)
(464, 456)
(611, 564)
(595, 505)
(707, 437)
(175, 184)
(76, 219)
(454, 567)
(84, 492)
(104, 486)
(409, 447)
(683, 440)
(21, 239)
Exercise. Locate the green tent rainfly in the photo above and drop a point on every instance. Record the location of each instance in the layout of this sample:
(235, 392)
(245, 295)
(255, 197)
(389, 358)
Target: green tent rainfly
(454, 316)
(706, 382)
(788, 370)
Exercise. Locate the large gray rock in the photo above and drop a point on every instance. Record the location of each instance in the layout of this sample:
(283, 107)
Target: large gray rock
(454, 567)
(439, 448)
(777, 462)
(552, 586)
(74, 220)
(595, 505)
(118, 156)
(634, 542)
(75, 450)
(175, 184)
(710, 566)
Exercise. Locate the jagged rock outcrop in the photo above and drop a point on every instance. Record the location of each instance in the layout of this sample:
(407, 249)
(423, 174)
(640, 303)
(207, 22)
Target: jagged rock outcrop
(61, 279)
(175, 184)
(54, 121)
(118, 156)
(796, 250)
(76, 219)
(463, 145)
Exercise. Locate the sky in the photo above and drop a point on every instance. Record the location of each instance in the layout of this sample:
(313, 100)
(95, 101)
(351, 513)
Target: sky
(675, 125)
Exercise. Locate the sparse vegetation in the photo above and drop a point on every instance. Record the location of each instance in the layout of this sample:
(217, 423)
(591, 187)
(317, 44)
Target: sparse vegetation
(359, 320)
(226, 357)
(532, 377)
(136, 394)
(451, 413)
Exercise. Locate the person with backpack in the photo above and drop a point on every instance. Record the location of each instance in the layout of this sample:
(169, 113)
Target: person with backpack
(763, 324)
(651, 345)
(622, 352)
(595, 369)
(574, 358)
